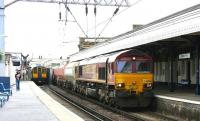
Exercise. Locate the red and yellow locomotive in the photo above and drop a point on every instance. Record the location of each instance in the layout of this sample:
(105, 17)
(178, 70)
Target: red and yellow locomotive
(122, 78)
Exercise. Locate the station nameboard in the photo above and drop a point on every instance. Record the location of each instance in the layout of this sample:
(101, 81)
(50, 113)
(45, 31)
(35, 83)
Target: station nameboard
(184, 56)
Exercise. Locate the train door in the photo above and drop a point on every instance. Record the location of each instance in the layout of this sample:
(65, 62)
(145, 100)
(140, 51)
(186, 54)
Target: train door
(39, 72)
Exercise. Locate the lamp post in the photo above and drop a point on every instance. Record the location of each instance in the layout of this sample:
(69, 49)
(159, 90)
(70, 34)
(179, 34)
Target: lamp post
(2, 39)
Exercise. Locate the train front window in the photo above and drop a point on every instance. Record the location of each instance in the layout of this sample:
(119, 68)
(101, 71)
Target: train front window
(143, 66)
(124, 67)
(43, 70)
(35, 70)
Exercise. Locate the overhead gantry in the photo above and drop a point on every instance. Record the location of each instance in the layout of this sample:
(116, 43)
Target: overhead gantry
(118, 3)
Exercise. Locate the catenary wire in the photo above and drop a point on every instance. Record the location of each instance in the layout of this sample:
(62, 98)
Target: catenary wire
(115, 12)
(76, 21)
(91, 29)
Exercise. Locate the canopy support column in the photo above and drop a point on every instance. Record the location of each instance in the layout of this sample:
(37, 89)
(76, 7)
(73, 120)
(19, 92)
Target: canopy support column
(197, 91)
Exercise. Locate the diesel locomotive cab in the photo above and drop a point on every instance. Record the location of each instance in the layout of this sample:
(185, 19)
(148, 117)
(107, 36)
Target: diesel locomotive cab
(135, 76)
(133, 79)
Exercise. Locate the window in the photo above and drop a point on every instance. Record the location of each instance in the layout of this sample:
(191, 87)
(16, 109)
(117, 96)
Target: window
(76, 70)
(43, 70)
(112, 68)
(16, 63)
(80, 71)
(143, 66)
(102, 73)
(35, 70)
(124, 67)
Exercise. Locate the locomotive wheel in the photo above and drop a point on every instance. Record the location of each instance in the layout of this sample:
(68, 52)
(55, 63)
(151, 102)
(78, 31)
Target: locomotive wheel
(101, 98)
(118, 106)
(111, 102)
(104, 102)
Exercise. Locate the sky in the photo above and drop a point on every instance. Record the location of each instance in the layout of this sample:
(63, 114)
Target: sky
(35, 29)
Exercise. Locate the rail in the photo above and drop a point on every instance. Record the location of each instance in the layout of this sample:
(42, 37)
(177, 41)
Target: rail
(91, 112)
(126, 115)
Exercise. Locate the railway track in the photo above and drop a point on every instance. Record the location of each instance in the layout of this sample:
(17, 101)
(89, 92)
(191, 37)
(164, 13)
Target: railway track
(103, 112)
(93, 115)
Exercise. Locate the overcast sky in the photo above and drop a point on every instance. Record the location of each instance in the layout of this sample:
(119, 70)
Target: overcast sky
(34, 29)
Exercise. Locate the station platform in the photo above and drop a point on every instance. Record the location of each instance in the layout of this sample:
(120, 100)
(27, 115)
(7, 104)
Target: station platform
(184, 95)
(182, 103)
(33, 104)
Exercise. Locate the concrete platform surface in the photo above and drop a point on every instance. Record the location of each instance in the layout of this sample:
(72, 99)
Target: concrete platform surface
(32, 104)
(182, 95)
(182, 104)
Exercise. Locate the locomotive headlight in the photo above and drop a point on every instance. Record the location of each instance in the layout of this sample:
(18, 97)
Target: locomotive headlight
(149, 85)
(134, 82)
(120, 85)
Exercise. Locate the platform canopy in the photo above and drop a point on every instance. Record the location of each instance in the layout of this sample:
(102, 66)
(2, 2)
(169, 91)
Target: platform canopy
(181, 23)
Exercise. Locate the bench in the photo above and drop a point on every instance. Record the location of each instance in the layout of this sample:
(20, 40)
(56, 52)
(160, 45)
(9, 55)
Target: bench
(5, 95)
(2, 101)
(4, 90)
(184, 83)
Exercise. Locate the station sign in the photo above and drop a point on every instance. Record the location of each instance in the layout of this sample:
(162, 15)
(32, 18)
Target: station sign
(184, 56)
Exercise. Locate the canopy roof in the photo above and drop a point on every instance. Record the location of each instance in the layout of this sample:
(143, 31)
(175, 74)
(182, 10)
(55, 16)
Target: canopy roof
(181, 23)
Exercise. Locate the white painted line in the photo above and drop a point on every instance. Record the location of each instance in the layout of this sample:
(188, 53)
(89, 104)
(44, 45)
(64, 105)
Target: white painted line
(178, 99)
(62, 113)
